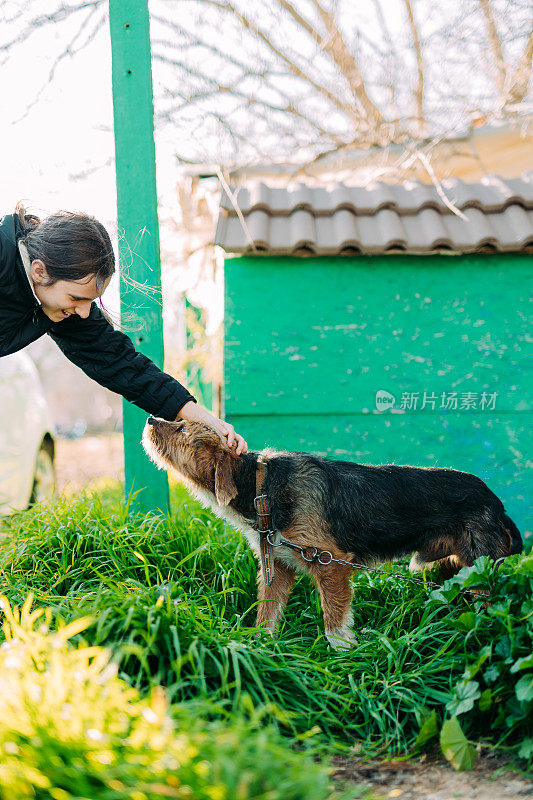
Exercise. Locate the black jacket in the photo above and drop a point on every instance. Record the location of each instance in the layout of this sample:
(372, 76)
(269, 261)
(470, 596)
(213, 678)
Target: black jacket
(103, 353)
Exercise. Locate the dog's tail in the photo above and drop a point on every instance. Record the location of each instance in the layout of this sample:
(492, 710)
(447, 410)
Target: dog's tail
(516, 544)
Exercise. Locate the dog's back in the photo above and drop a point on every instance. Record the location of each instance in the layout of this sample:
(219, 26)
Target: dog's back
(390, 510)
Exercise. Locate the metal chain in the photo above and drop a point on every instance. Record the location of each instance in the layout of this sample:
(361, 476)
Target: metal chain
(317, 554)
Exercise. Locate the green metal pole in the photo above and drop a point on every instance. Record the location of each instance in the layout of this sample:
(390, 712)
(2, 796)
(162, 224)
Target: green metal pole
(137, 224)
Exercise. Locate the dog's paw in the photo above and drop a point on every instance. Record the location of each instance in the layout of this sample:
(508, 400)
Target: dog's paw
(265, 632)
(341, 638)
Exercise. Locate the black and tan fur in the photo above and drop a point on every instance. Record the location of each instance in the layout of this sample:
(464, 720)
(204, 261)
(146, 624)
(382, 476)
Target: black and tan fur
(363, 513)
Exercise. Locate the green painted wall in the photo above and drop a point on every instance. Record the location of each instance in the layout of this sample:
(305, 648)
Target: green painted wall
(310, 341)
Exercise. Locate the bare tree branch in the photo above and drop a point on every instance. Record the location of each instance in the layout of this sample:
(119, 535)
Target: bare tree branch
(297, 81)
(70, 50)
(392, 54)
(522, 75)
(419, 90)
(37, 22)
(233, 199)
(336, 47)
(302, 21)
(294, 68)
(218, 88)
(423, 158)
(496, 46)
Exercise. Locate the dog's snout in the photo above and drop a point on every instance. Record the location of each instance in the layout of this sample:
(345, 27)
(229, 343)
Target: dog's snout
(151, 420)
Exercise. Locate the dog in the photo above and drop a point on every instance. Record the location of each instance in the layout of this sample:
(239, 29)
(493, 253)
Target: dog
(358, 512)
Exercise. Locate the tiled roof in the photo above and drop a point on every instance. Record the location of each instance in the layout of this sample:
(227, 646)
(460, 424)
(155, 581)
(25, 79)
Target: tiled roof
(412, 217)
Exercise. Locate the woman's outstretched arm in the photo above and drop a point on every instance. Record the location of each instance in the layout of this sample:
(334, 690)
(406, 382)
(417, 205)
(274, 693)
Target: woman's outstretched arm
(109, 357)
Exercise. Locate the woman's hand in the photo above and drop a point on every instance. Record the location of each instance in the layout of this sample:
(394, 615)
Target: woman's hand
(195, 413)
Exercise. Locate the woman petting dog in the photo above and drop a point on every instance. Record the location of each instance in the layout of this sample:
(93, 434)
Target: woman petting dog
(353, 512)
(51, 272)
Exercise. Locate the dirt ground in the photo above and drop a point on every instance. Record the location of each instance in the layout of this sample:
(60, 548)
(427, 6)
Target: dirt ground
(82, 462)
(87, 461)
(432, 779)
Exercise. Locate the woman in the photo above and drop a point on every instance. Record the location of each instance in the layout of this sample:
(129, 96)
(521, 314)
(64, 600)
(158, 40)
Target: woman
(51, 272)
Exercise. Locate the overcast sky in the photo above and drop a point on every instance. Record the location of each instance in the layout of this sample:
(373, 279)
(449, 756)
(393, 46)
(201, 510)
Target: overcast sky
(68, 131)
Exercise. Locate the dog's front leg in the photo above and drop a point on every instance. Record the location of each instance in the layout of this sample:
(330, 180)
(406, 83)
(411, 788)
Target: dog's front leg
(336, 596)
(273, 599)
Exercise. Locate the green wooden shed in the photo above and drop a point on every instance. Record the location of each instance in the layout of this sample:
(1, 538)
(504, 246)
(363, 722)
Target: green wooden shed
(385, 324)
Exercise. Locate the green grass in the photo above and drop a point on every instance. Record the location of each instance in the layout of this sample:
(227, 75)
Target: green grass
(71, 729)
(174, 599)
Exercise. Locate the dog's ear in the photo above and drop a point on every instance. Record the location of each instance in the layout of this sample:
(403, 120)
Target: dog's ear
(225, 489)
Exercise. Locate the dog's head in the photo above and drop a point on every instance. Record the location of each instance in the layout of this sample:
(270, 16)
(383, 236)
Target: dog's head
(196, 452)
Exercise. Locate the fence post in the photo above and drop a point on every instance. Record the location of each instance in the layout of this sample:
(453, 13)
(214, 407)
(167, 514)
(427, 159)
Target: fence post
(138, 226)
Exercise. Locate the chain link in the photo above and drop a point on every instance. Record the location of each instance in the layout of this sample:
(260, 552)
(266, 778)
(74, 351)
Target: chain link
(317, 554)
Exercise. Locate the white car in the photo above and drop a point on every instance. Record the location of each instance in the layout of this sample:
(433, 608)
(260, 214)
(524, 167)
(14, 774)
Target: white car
(27, 473)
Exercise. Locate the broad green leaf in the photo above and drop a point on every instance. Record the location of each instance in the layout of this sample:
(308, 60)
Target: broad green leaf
(455, 746)
(526, 608)
(503, 647)
(466, 621)
(485, 701)
(428, 730)
(465, 695)
(491, 674)
(476, 575)
(524, 688)
(444, 595)
(472, 670)
(514, 710)
(526, 749)
(522, 663)
(525, 566)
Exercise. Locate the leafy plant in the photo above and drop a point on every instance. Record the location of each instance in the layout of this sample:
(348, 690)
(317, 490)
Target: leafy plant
(70, 728)
(495, 690)
(174, 601)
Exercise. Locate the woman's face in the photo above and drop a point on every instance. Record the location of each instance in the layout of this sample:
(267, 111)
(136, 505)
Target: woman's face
(61, 299)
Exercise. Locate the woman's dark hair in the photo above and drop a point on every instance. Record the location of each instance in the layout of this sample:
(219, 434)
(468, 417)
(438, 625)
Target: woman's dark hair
(71, 246)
